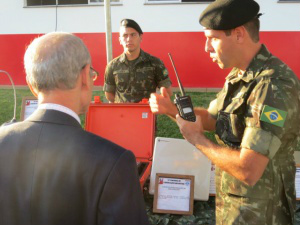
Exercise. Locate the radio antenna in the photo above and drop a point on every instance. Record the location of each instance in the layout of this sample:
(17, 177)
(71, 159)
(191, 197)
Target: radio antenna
(179, 82)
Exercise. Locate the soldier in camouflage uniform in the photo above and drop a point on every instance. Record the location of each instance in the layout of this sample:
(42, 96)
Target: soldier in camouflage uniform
(256, 117)
(259, 111)
(135, 74)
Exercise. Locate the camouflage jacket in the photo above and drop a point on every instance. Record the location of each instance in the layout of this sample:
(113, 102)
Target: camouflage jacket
(131, 82)
(259, 110)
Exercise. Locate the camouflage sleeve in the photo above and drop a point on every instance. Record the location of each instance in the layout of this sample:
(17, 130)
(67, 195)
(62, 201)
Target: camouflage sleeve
(213, 105)
(161, 75)
(109, 80)
(265, 129)
(213, 109)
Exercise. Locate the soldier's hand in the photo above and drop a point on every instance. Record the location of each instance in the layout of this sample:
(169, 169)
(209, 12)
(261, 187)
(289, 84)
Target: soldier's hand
(162, 104)
(191, 131)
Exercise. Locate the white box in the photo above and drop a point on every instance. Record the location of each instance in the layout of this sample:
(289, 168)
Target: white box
(178, 156)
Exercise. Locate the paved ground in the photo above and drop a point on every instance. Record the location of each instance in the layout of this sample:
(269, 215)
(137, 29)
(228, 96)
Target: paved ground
(204, 213)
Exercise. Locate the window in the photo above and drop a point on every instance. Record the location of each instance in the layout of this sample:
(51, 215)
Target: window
(289, 1)
(40, 2)
(164, 1)
(197, 0)
(65, 2)
(94, 1)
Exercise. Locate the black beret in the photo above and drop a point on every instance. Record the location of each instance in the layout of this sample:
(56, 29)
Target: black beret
(132, 24)
(228, 14)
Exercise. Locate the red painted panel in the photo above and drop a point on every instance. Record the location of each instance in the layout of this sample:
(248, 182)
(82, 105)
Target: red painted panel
(95, 42)
(12, 49)
(193, 64)
(286, 46)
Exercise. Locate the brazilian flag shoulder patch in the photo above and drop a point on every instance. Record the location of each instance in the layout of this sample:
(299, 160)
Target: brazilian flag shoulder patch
(273, 116)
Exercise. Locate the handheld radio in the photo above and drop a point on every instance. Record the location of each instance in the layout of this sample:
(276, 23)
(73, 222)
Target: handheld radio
(183, 102)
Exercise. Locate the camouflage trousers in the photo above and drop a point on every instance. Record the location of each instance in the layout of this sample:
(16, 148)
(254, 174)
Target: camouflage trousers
(234, 209)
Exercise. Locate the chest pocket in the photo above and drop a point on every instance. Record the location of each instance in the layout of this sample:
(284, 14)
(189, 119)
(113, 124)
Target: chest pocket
(145, 79)
(121, 79)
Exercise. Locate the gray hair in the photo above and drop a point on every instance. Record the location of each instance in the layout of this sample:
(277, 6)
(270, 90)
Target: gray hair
(55, 60)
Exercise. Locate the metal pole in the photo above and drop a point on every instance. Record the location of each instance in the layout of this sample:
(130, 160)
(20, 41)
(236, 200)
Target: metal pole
(108, 30)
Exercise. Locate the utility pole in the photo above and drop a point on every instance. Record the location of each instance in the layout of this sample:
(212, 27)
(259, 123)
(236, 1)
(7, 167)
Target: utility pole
(108, 30)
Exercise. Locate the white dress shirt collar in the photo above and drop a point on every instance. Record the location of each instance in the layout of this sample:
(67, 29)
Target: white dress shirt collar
(60, 108)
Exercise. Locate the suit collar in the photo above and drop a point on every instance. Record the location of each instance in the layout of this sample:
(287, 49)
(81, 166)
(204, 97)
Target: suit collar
(53, 116)
(60, 108)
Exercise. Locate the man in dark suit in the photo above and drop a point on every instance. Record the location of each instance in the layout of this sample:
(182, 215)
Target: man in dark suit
(51, 170)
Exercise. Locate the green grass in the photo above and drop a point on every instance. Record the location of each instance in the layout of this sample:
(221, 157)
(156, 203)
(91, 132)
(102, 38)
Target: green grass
(7, 103)
(165, 127)
(168, 128)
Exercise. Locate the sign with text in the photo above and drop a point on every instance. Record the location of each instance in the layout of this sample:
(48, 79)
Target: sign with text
(174, 194)
(29, 105)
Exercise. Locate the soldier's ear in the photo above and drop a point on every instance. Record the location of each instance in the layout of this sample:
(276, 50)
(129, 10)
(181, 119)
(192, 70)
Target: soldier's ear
(239, 33)
(141, 37)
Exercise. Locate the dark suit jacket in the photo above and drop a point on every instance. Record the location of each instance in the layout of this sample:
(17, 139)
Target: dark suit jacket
(53, 172)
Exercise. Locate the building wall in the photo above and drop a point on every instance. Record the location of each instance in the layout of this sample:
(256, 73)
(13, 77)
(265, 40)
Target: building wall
(167, 28)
